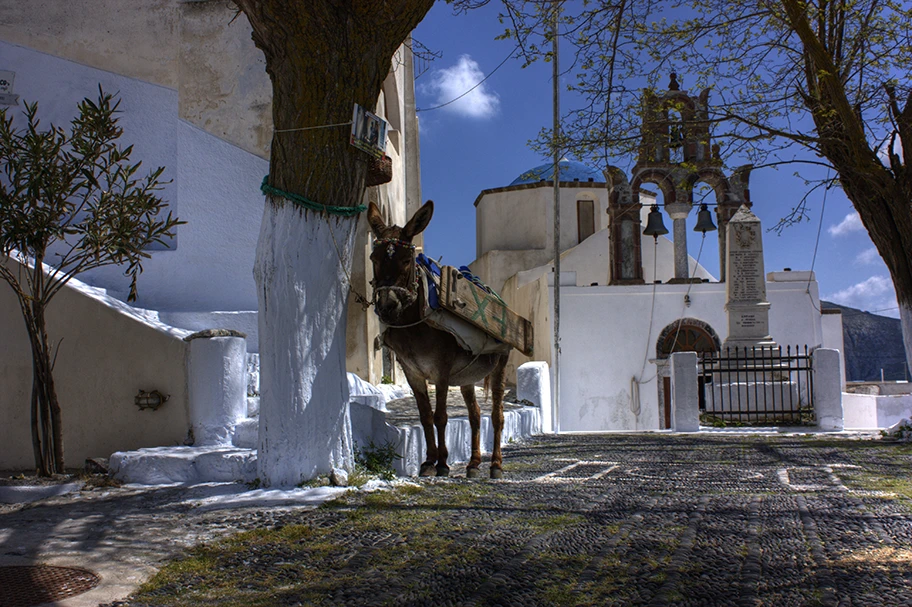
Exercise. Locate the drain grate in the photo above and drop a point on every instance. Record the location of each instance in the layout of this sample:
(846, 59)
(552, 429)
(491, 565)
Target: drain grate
(25, 586)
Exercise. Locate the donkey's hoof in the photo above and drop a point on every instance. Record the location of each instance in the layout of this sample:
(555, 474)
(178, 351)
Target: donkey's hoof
(473, 473)
(443, 470)
(496, 473)
(427, 469)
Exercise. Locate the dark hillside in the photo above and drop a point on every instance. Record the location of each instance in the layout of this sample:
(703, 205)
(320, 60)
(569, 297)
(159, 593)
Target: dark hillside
(872, 343)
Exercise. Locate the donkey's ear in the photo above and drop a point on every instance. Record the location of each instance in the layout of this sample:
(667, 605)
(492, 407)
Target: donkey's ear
(419, 221)
(375, 219)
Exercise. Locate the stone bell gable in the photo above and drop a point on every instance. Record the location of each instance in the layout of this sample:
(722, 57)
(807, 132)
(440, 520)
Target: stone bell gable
(676, 152)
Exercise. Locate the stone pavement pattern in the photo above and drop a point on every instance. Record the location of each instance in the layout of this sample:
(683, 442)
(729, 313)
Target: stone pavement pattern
(646, 520)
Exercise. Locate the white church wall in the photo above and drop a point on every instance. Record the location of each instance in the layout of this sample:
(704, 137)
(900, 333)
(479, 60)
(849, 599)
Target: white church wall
(522, 217)
(794, 315)
(513, 221)
(496, 267)
(606, 341)
(129, 351)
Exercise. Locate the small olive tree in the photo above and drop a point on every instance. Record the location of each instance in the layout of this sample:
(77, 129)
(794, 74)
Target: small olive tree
(72, 201)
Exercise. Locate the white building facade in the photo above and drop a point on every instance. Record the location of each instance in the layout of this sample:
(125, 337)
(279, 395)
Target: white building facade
(196, 99)
(628, 301)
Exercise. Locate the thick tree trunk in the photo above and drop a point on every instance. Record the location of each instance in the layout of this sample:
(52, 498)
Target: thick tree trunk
(881, 195)
(322, 57)
(48, 447)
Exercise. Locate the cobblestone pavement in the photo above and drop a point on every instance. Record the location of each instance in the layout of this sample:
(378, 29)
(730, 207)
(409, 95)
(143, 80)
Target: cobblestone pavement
(644, 520)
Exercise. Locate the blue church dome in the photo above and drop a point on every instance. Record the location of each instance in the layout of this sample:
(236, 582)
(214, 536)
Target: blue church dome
(569, 171)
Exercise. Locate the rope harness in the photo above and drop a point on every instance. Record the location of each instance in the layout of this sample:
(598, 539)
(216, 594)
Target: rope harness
(410, 293)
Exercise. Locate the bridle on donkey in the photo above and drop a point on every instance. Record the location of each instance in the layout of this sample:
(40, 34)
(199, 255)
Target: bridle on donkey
(411, 291)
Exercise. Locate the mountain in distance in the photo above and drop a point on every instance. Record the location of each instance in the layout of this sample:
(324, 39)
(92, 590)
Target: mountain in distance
(872, 343)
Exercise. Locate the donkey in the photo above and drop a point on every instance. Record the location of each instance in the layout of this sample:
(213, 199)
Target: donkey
(429, 354)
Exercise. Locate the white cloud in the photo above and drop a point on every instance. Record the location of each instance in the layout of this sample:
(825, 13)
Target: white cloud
(897, 149)
(868, 257)
(875, 293)
(851, 223)
(449, 83)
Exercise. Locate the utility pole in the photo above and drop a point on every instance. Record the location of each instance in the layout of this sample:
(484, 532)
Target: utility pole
(555, 418)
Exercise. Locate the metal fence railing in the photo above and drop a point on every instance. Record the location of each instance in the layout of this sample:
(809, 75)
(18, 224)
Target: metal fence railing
(757, 386)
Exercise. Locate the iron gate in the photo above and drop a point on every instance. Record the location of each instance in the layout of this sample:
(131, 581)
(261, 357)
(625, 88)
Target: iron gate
(757, 386)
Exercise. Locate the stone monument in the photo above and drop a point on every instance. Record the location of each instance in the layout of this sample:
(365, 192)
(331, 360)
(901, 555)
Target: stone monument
(745, 286)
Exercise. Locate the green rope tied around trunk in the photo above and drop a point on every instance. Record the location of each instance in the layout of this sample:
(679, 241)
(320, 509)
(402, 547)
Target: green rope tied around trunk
(310, 204)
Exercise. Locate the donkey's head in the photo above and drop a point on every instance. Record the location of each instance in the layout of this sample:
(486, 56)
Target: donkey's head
(393, 257)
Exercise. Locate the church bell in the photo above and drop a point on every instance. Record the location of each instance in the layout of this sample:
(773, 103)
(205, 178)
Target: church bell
(654, 225)
(704, 220)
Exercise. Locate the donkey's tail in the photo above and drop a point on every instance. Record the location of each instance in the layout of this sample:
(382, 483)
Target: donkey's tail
(487, 385)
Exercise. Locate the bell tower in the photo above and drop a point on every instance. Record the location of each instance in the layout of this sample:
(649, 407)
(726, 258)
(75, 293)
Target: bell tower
(675, 153)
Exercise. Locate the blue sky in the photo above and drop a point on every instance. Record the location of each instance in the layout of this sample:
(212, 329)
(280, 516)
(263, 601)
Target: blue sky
(480, 142)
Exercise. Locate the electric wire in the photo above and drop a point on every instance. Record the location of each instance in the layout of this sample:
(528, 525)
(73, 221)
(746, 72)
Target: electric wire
(655, 256)
(310, 128)
(826, 191)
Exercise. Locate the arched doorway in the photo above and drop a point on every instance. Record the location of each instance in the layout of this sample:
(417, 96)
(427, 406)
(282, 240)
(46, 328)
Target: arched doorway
(683, 335)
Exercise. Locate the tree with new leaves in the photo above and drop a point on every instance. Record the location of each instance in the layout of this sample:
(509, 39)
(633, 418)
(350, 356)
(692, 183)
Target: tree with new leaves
(805, 82)
(69, 203)
(322, 56)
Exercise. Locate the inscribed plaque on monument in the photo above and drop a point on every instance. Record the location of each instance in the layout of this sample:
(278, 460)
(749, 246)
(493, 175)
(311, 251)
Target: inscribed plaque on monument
(746, 281)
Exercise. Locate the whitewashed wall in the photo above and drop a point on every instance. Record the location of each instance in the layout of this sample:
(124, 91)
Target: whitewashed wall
(513, 234)
(869, 411)
(521, 217)
(108, 352)
(606, 341)
(214, 185)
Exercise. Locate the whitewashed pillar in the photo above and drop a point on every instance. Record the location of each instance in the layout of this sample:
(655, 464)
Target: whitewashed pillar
(218, 385)
(533, 384)
(828, 390)
(685, 397)
(678, 211)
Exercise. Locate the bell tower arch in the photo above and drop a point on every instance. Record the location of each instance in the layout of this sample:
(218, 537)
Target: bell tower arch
(675, 153)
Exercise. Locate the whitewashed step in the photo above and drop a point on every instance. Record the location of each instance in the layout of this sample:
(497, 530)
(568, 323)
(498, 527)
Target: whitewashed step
(246, 433)
(167, 465)
(253, 406)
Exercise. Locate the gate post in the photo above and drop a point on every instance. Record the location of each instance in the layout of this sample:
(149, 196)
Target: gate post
(533, 384)
(685, 399)
(827, 390)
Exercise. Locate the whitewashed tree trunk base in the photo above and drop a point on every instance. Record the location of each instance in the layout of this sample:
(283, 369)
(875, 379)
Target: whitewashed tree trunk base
(305, 428)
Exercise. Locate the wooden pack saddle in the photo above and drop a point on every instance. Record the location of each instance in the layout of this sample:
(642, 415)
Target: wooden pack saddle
(463, 301)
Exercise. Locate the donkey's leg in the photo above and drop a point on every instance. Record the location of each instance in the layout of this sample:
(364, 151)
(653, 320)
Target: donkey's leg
(468, 394)
(426, 414)
(497, 415)
(440, 420)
